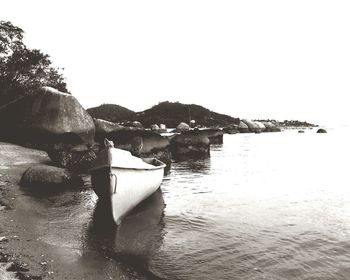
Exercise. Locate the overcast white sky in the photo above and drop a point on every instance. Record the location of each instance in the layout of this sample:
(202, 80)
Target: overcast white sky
(256, 59)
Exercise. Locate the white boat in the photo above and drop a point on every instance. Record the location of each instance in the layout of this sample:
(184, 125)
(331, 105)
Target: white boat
(122, 181)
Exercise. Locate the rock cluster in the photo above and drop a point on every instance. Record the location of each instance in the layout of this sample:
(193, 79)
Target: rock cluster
(58, 124)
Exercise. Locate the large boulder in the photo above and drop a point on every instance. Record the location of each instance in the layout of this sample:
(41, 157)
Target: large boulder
(182, 127)
(190, 144)
(216, 136)
(251, 125)
(44, 117)
(260, 125)
(104, 127)
(49, 178)
(231, 129)
(154, 127)
(242, 127)
(270, 127)
(136, 124)
(142, 143)
(321, 130)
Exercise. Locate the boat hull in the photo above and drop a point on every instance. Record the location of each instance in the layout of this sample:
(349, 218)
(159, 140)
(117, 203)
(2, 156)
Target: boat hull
(121, 189)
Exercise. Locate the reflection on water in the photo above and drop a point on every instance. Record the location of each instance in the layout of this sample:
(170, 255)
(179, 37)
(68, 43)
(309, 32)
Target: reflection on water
(267, 206)
(135, 241)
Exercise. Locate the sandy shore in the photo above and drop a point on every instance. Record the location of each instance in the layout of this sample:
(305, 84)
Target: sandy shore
(24, 220)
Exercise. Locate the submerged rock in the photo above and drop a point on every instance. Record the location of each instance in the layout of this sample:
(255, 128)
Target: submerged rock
(44, 117)
(321, 130)
(301, 131)
(190, 144)
(45, 177)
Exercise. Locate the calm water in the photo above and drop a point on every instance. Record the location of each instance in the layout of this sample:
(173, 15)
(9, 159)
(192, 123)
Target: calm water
(264, 206)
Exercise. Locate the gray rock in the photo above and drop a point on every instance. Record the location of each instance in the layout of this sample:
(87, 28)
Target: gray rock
(253, 127)
(154, 127)
(216, 136)
(321, 130)
(104, 127)
(270, 127)
(231, 129)
(45, 177)
(45, 117)
(190, 144)
(260, 125)
(242, 127)
(182, 127)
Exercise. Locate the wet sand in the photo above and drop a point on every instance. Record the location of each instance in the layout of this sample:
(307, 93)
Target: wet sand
(21, 245)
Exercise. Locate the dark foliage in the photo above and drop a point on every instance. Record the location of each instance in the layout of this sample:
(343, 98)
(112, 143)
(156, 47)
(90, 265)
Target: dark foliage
(23, 70)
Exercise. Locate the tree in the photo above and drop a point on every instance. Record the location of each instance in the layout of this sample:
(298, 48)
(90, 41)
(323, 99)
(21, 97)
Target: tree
(23, 70)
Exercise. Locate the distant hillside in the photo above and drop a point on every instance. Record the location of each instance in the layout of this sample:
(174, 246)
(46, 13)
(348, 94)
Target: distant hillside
(111, 112)
(172, 113)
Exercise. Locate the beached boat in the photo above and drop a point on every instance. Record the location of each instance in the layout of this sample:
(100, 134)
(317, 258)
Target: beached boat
(122, 181)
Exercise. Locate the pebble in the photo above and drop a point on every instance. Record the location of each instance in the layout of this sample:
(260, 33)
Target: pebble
(3, 239)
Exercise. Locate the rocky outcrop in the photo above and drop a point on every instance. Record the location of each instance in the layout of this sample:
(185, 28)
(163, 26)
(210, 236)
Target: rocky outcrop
(49, 178)
(155, 127)
(215, 136)
(142, 143)
(45, 117)
(251, 125)
(190, 144)
(270, 127)
(73, 157)
(242, 127)
(231, 129)
(182, 127)
(261, 127)
(104, 127)
(321, 130)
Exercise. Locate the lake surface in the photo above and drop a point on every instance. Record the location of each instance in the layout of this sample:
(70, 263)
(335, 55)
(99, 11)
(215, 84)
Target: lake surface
(263, 206)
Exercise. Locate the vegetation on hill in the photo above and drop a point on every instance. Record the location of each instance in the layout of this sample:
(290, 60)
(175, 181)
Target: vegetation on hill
(172, 113)
(23, 70)
(168, 113)
(111, 112)
(291, 123)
